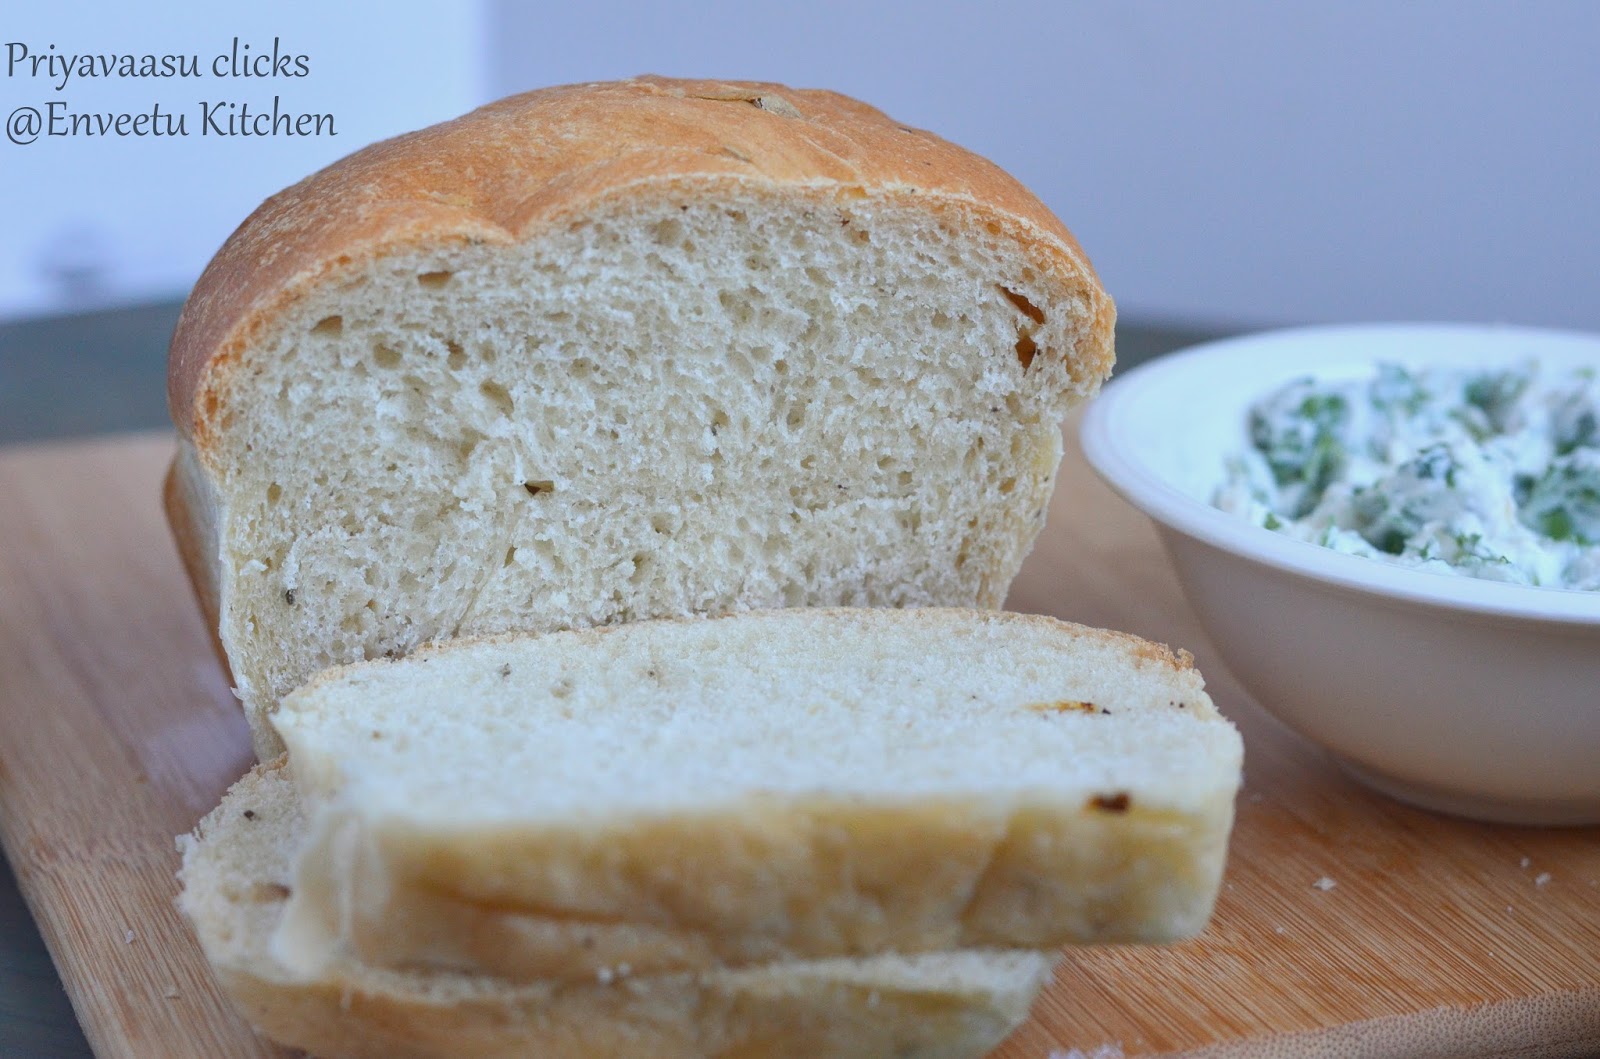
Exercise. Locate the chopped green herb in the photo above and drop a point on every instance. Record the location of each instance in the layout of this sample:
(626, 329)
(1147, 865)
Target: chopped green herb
(1575, 424)
(1496, 394)
(1564, 505)
(1397, 390)
(1489, 473)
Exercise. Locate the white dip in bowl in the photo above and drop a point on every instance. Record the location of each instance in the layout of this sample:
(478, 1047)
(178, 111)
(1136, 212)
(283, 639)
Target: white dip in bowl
(1463, 694)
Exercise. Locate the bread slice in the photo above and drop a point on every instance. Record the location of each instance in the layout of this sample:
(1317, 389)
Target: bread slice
(236, 875)
(618, 351)
(777, 785)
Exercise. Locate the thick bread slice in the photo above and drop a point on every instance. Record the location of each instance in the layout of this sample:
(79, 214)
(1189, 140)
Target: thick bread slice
(616, 351)
(773, 785)
(235, 875)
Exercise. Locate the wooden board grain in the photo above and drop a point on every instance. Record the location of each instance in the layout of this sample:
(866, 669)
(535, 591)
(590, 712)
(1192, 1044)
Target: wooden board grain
(117, 732)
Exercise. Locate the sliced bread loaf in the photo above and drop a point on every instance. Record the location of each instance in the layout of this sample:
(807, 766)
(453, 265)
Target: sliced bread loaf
(774, 785)
(616, 351)
(236, 876)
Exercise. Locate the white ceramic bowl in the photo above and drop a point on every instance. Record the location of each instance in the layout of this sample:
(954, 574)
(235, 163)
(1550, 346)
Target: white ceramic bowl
(1467, 696)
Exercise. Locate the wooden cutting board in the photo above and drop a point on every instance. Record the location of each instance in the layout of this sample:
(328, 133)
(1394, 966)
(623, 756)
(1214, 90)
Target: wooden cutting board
(1438, 937)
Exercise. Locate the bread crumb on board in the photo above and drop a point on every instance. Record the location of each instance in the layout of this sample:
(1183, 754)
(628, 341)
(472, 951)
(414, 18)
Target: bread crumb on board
(128, 936)
(1525, 862)
(1542, 879)
(1324, 884)
(607, 975)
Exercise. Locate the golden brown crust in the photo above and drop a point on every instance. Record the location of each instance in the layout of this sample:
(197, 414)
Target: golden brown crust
(504, 171)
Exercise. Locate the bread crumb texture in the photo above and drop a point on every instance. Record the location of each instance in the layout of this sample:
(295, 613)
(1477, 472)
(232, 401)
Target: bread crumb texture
(567, 361)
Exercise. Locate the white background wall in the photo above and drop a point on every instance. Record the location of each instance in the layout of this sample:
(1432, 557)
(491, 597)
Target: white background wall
(1238, 161)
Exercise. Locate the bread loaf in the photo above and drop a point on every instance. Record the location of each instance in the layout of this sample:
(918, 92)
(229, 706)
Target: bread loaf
(236, 877)
(616, 351)
(792, 784)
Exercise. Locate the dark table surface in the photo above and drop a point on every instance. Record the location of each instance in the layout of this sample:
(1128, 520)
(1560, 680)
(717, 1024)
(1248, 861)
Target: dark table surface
(104, 372)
